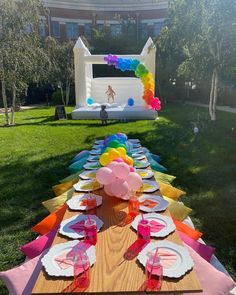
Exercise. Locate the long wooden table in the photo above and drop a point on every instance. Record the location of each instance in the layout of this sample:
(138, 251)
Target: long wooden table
(109, 275)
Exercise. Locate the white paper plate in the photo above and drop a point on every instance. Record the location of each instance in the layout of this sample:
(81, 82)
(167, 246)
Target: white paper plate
(87, 185)
(52, 267)
(95, 152)
(141, 164)
(183, 263)
(93, 158)
(161, 206)
(65, 229)
(99, 141)
(136, 145)
(98, 146)
(74, 203)
(88, 174)
(138, 156)
(145, 173)
(134, 140)
(165, 220)
(92, 165)
(137, 151)
(149, 186)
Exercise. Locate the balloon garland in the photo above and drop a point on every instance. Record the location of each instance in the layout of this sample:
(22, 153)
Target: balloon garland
(128, 64)
(118, 176)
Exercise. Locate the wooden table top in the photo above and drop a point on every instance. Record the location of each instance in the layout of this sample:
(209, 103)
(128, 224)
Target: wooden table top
(108, 275)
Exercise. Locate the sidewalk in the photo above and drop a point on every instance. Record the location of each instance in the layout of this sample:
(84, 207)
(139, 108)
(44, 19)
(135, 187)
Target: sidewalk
(219, 108)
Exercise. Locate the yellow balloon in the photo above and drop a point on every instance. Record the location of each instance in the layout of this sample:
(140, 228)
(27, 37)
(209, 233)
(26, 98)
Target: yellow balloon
(122, 151)
(104, 159)
(113, 154)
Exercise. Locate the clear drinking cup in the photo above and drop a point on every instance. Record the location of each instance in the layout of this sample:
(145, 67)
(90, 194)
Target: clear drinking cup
(154, 273)
(144, 230)
(90, 231)
(81, 269)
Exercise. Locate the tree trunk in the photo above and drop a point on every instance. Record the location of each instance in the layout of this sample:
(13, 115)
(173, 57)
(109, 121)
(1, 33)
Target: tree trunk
(215, 95)
(13, 104)
(67, 93)
(212, 94)
(62, 96)
(4, 98)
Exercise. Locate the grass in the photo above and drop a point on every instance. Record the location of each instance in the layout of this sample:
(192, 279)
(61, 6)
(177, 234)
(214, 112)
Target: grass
(34, 155)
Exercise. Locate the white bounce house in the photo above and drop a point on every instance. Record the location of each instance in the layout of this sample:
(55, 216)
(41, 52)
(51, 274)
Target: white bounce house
(87, 86)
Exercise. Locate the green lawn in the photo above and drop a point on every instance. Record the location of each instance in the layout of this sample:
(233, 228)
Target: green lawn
(34, 155)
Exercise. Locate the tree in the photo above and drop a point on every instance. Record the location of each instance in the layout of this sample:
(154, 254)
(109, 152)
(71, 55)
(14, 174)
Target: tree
(61, 71)
(21, 55)
(204, 33)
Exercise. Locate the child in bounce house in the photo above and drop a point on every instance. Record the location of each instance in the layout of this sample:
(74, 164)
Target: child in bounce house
(110, 94)
(103, 115)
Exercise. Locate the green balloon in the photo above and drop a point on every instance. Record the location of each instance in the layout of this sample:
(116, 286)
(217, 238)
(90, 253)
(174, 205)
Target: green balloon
(122, 145)
(106, 150)
(114, 144)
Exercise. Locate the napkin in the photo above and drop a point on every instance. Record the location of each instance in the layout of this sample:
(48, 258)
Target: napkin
(66, 260)
(156, 226)
(167, 258)
(149, 203)
(63, 261)
(78, 226)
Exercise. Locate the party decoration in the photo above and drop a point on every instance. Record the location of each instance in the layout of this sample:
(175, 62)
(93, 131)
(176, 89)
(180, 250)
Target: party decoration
(130, 102)
(128, 64)
(90, 101)
(119, 179)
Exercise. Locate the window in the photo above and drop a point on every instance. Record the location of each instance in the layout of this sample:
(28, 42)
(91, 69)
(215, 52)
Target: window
(87, 30)
(144, 31)
(157, 28)
(56, 29)
(72, 30)
(42, 29)
(100, 27)
(115, 30)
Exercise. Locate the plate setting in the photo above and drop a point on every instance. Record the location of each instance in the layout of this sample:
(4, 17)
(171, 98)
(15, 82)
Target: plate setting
(50, 260)
(95, 152)
(93, 158)
(138, 156)
(152, 203)
(145, 173)
(87, 185)
(175, 259)
(137, 151)
(88, 174)
(134, 140)
(77, 202)
(73, 227)
(149, 186)
(92, 165)
(141, 164)
(161, 225)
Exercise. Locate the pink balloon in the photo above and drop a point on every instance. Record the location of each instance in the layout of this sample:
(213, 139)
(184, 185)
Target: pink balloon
(119, 188)
(126, 197)
(134, 181)
(131, 169)
(119, 160)
(111, 165)
(155, 103)
(105, 176)
(121, 170)
(107, 189)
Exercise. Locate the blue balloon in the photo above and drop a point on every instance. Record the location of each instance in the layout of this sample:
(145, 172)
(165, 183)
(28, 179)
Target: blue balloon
(90, 101)
(130, 102)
